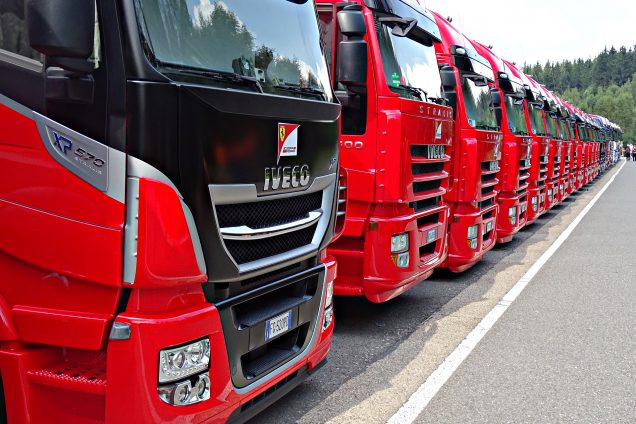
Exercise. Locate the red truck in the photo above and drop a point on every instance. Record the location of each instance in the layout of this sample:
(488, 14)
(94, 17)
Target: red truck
(567, 146)
(576, 172)
(467, 78)
(516, 149)
(395, 145)
(168, 186)
(537, 189)
(551, 113)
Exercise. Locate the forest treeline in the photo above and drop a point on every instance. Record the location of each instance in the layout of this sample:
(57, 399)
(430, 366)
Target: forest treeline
(604, 85)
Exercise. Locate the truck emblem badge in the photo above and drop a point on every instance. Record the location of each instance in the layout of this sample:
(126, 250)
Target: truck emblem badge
(64, 144)
(438, 131)
(287, 140)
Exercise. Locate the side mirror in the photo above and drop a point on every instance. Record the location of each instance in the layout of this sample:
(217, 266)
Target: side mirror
(352, 51)
(449, 82)
(63, 31)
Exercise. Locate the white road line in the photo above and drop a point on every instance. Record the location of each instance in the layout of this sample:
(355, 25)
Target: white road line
(425, 393)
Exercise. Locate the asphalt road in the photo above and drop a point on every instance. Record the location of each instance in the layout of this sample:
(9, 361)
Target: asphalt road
(382, 353)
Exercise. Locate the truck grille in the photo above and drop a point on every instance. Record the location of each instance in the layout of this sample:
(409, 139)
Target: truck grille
(256, 229)
(488, 180)
(342, 202)
(427, 168)
(268, 213)
(244, 251)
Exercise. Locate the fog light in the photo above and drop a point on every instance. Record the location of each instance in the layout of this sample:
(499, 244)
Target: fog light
(399, 242)
(473, 231)
(185, 393)
(329, 294)
(401, 260)
(328, 318)
(184, 361)
(472, 243)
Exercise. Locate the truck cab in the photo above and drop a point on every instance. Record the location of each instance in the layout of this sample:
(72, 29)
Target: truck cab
(537, 189)
(468, 81)
(173, 170)
(551, 114)
(516, 149)
(395, 145)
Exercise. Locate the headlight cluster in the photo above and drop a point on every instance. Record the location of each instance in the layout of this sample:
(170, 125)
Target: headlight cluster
(400, 250)
(186, 368)
(328, 306)
(473, 233)
(512, 215)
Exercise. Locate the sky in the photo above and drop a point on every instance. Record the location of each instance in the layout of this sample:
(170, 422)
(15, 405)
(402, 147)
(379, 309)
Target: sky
(527, 31)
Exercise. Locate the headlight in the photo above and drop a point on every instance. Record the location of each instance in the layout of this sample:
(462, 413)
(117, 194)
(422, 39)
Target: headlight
(473, 231)
(329, 294)
(512, 215)
(399, 242)
(184, 361)
(472, 243)
(328, 318)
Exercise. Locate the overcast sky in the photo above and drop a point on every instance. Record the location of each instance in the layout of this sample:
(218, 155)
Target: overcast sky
(530, 31)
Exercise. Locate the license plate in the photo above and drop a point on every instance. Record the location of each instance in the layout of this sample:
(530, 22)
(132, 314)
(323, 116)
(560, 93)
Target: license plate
(277, 325)
(489, 226)
(431, 236)
(436, 151)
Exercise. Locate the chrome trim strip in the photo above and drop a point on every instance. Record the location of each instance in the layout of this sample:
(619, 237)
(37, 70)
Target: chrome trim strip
(21, 61)
(140, 169)
(131, 231)
(246, 233)
(16, 107)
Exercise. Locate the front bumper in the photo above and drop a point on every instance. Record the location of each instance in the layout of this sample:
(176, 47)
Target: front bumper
(132, 366)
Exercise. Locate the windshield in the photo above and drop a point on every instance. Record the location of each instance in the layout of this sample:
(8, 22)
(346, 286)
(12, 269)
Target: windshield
(536, 120)
(410, 66)
(516, 116)
(477, 100)
(563, 130)
(552, 126)
(266, 45)
(582, 134)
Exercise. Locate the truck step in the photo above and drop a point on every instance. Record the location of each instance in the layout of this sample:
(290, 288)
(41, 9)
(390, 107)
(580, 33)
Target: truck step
(71, 377)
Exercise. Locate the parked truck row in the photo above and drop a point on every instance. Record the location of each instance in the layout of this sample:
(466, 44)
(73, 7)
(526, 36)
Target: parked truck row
(180, 180)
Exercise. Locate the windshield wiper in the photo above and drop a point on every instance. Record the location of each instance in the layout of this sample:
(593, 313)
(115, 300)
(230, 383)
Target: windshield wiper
(416, 91)
(302, 90)
(439, 100)
(216, 75)
(486, 127)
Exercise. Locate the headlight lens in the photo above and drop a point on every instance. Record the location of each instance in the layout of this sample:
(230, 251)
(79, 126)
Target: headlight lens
(184, 361)
(329, 294)
(401, 260)
(399, 242)
(472, 231)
